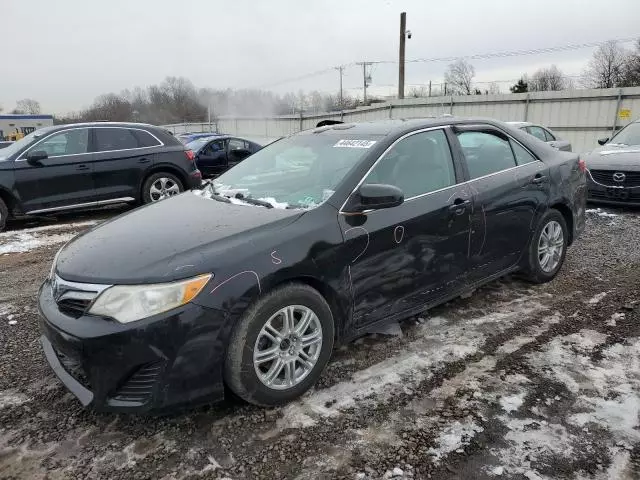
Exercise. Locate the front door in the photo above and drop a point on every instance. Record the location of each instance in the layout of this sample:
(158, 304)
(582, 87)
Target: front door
(63, 179)
(237, 150)
(409, 256)
(212, 158)
(510, 188)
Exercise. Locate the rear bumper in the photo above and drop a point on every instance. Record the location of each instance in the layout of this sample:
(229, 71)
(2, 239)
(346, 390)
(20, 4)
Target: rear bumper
(195, 179)
(155, 364)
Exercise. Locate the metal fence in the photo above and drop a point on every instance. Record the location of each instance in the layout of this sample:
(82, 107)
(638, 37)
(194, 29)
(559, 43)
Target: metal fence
(580, 116)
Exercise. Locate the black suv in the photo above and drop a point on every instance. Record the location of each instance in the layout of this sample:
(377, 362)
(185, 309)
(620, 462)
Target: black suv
(87, 165)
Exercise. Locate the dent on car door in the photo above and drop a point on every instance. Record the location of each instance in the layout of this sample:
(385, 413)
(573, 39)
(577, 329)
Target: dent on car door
(62, 179)
(510, 187)
(122, 156)
(410, 255)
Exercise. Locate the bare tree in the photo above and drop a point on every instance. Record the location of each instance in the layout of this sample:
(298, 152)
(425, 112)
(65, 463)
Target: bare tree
(459, 76)
(631, 76)
(418, 92)
(494, 88)
(606, 67)
(27, 105)
(547, 79)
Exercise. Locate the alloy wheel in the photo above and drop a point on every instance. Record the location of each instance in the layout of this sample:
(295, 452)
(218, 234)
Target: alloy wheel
(163, 188)
(287, 347)
(550, 246)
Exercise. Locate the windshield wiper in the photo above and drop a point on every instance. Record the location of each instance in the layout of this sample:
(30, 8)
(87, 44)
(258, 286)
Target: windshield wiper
(253, 201)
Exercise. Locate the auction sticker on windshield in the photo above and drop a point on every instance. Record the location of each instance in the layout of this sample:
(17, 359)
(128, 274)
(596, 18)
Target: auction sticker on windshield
(354, 144)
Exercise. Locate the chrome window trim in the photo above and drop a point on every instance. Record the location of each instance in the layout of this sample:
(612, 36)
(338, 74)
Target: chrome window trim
(82, 205)
(442, 127)
(23, 159)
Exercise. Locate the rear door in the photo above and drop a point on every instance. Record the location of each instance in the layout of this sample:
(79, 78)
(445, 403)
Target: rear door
(63, 179)
(122, 156)
(237, 150)
(510, 188)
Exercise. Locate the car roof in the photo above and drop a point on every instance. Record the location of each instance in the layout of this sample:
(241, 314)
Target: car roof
(398, 126)
(107, 124)
(520, 124)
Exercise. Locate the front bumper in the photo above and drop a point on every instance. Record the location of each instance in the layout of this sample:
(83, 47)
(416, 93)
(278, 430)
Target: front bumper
(168, 360)
(598, 193)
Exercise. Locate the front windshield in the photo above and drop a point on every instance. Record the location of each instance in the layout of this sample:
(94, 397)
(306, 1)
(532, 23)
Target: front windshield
(301, 171)
(23, 142)
(629, 135)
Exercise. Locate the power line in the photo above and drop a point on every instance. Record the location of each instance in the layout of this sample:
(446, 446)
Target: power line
(479, 56)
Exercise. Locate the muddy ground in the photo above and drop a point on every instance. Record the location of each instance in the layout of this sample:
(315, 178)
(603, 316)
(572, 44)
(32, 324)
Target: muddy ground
(515, 382)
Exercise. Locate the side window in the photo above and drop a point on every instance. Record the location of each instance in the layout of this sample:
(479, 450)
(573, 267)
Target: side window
(70, 142)
(538, 133)
(548, 135)
(522, 154)
(419, 164)
(145, 139)
(214, 147)
(114, 139)
(485, 153)
(236, 144)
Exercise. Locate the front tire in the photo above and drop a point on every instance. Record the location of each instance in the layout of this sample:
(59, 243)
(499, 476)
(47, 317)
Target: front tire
(4, 215)
(548, 248)
(280, 346)
(161, 185)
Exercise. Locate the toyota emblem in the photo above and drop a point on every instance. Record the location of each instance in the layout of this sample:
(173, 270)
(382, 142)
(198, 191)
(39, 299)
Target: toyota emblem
(619, 177)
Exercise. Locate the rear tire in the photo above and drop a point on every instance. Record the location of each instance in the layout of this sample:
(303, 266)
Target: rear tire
(4, 215)
(271, 362)
(161, 185)
(548, 248)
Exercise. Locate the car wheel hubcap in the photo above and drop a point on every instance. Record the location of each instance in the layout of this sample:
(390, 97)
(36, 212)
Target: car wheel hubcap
(163, 188)
(550, 246)
(287, 347)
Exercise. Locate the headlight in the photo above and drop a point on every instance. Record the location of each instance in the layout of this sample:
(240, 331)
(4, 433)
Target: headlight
(128, 303)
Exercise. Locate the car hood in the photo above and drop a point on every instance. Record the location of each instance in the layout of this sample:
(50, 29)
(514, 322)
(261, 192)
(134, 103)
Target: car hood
(172, 239)
(610, 157)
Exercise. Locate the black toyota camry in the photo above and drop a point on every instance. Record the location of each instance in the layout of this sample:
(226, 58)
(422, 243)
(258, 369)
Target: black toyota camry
(310, 242)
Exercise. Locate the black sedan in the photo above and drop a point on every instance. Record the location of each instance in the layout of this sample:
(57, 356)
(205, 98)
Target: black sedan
(309, 243)
(218, 153)
(614, 168)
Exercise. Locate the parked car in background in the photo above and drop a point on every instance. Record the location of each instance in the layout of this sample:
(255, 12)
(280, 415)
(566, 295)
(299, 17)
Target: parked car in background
(216, 154)
(86, 165)
(544, 134)
(189, 137)
(614, 168)
(250, 281)
(4, 144)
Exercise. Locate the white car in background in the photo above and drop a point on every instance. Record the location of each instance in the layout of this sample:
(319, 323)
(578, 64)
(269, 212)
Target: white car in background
(544, 134)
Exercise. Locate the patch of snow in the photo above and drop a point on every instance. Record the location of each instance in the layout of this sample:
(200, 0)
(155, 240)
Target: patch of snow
(12, 322)
(12, 398)
(397, 472)
(453, 437)
(275, 203)
(496, 471)
(600, 212)
(45, 228)
(529, 336)
(597, 298)
(614, 318)
(513, 402)
(25, 242)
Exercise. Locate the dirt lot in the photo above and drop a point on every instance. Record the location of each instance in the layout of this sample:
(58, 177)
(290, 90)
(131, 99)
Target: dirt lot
(516, 381)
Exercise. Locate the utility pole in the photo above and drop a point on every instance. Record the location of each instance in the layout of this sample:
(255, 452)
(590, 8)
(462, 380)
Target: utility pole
(341, 70)
(403, 27)
(365, 79)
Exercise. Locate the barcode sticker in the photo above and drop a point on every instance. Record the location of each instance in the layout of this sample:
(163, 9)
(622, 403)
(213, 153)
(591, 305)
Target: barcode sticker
(354, 144)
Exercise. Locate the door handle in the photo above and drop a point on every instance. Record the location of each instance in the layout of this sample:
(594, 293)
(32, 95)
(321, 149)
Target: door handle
(459, 205)
(82, 167)
(538, 179)
(143, 160)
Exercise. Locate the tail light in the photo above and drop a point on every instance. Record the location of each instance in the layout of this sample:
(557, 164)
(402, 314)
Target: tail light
(582, 165)
(190, 155)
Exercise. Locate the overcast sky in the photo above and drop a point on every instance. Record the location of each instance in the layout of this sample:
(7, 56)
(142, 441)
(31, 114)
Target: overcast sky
(66, 52)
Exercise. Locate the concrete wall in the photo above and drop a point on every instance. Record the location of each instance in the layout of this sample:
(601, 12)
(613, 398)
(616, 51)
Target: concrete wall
(580, 116)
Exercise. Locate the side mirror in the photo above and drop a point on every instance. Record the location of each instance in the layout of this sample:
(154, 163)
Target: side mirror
(33, 158)
(374, 196)
(602, 141)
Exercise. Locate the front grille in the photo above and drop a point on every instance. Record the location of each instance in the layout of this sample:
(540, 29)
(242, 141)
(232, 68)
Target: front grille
(139, 386)
(605, 177)
(74, 307)
(74, 368)
(617, 195)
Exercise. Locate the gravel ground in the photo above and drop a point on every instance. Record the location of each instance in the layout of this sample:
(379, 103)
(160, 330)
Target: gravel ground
(516, 381)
